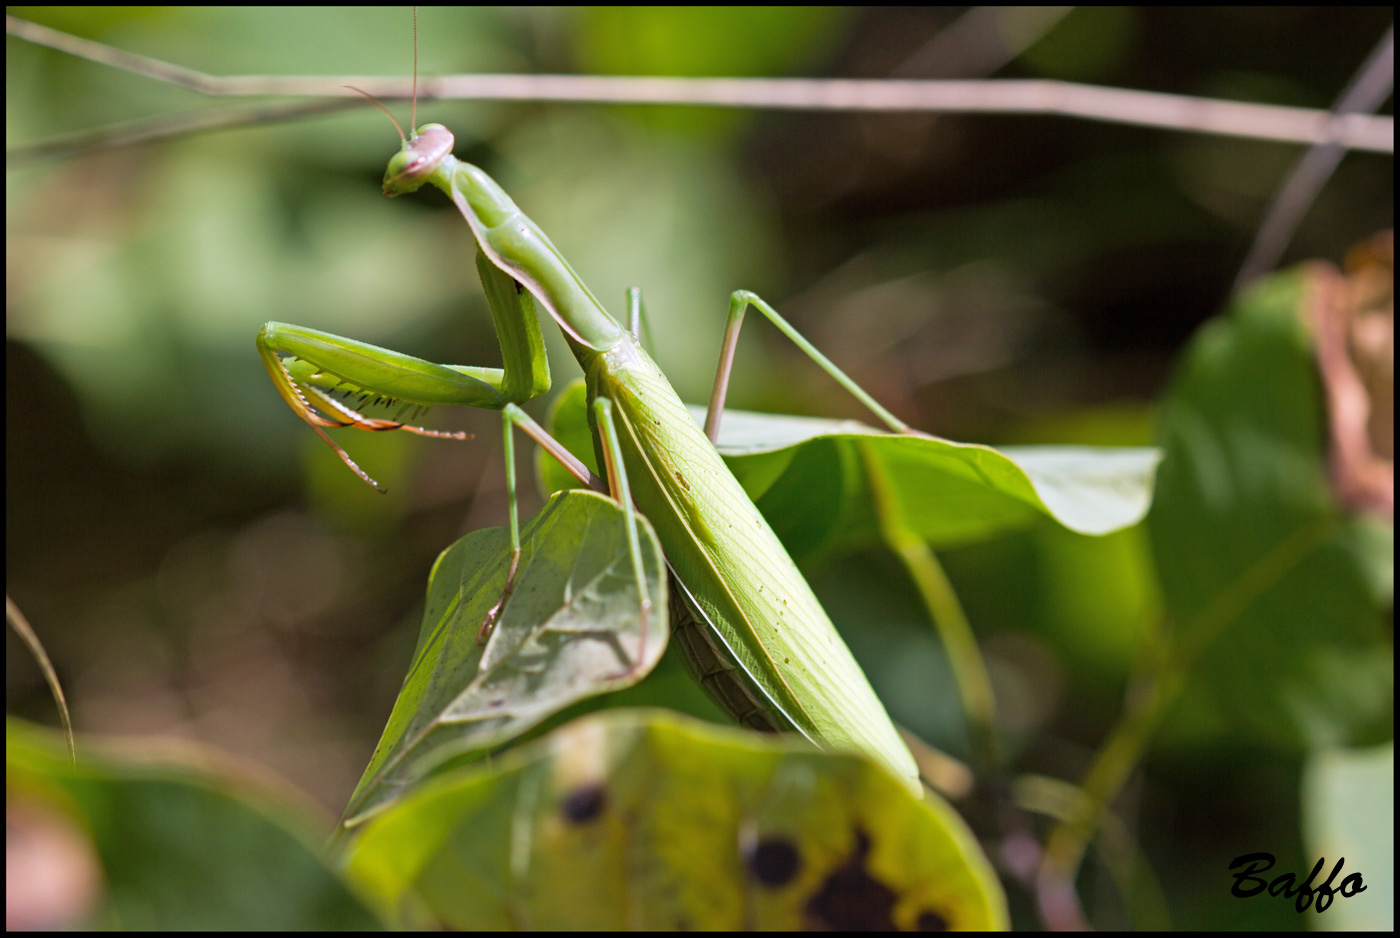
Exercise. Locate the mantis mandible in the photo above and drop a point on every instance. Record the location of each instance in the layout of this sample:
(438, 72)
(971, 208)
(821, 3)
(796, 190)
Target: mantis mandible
(754, 633)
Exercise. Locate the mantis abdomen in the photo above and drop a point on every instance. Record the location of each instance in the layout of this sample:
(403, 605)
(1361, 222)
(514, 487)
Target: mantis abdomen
(735, 569)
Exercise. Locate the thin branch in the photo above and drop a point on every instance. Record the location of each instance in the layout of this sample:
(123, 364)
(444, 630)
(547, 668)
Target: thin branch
(1008, 96)
(988, 96)
(106, 55)
(1367, 91)
(981, 41)
(27, 634)
(146, 130)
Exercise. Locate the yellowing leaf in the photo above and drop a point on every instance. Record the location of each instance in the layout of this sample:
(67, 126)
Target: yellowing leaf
(647, 820)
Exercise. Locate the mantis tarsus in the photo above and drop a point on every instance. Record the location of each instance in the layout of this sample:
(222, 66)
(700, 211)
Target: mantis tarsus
(757, 636)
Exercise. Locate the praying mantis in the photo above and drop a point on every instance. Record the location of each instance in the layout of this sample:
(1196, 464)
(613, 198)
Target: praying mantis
(753, 630)
(303, 371)
(377, 371)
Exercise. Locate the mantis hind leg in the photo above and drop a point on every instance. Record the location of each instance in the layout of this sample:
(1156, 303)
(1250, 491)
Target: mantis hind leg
(740, 301)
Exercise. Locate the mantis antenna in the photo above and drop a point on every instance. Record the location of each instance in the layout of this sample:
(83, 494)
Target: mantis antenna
(413, 107)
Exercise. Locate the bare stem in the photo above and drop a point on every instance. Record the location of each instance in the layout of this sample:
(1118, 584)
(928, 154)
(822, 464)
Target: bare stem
(987, 96)
(949, 619)
(36, 648)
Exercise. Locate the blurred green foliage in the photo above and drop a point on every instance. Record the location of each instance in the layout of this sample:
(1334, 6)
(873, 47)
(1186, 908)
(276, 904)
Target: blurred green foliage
(1276, 597)
(184, 841)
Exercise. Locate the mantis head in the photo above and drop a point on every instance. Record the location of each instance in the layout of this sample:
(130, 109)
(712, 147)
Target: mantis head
(420, 157)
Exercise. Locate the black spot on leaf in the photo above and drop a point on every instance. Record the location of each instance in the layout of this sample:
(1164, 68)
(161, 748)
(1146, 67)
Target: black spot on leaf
(774, 861)
(932, 921)
(850, 899)
(584, 804)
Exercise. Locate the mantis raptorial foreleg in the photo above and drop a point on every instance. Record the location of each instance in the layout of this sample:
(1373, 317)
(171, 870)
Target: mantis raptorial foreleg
(308, 366)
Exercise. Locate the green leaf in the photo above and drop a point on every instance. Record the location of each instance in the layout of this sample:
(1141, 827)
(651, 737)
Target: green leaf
(1272, 591)
(1348, 803)
(646, 820)
(185, 839)
(572, 628)
(807, 476)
